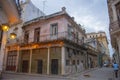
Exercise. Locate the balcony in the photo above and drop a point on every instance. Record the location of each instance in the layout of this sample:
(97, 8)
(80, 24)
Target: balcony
(16, 41)
(114, 27)
(61, 36)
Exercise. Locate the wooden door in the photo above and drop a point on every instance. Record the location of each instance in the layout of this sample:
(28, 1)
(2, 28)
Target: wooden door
(25, 66)
(40, 66)
(54, 66)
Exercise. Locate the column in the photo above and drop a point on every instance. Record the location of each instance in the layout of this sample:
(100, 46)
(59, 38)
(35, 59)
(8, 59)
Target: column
(30, 64)
(5, 59)
(3, 52)
(63, 60)
(48, 62)
(17, 60)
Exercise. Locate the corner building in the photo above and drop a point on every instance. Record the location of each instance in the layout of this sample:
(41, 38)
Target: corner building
(51, 44)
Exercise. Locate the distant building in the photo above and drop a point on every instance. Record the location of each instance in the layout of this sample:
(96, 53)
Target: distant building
(103, 44)
(102, 38)
(95, 48)
(114, 27)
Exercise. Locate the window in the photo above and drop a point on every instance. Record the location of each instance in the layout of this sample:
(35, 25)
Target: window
(70, 32)
(54, 29)
(74, 52)
(36, 34)
(26, 37)
(77, 62)
(69, 53)
(82, 39)
(69, 29)
(77, 52)
(11, 61)
(77, 36)
(67, 62)
(73, 62)
(1, 33)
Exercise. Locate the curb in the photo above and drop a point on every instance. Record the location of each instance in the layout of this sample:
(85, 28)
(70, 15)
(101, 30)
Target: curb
(53, 76)
(37, 75)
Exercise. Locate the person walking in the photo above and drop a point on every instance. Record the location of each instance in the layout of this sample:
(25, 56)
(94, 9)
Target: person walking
(115, 66)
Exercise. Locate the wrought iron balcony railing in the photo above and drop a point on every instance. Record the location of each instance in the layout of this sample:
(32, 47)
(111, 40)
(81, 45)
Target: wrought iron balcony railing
(47, 38)
(52, 37)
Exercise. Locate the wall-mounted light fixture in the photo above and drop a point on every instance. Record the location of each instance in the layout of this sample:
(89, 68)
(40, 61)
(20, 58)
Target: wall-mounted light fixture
(12, 35)
(5, 27)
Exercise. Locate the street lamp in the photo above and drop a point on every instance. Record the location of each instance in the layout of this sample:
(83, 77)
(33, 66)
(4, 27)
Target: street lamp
(12, 35)
(5, 27)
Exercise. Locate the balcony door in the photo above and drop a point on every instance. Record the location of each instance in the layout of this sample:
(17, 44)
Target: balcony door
(26, 37)
(70, 33)
(54, 31)
(37, 35)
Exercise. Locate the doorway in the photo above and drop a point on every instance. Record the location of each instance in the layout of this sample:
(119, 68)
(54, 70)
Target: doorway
(40, 66)
(54, 66)
(25, 66)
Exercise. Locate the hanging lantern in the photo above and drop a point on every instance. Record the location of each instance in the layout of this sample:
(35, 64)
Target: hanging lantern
(5, 27)
(12, 35)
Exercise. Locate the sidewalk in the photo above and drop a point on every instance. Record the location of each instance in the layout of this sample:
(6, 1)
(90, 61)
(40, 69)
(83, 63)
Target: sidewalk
(51, 76)
(92, 74)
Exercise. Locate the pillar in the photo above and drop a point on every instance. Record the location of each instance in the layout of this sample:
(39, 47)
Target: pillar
(48, 62)
(30, 64)
(3, 52)
(63, 61)
(17, 60)
(5, 59)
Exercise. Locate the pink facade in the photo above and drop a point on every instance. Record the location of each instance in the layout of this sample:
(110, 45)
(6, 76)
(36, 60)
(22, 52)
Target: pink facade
(45, 29)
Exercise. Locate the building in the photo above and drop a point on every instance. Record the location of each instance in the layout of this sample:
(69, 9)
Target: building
(9, 15)
(97, 48)
(114, 27)
(103, 47)
(51, 44)
(13, 14)
(102, 38)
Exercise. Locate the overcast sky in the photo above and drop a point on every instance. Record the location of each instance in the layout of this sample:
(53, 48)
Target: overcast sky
(93, 14)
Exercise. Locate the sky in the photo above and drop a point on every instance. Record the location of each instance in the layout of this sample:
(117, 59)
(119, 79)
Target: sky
(92, 14)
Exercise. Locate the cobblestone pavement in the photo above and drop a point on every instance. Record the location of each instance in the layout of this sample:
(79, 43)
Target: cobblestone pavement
(96, 74)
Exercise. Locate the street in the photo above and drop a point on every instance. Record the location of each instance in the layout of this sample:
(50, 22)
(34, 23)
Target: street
(98, 74)
(95, 74)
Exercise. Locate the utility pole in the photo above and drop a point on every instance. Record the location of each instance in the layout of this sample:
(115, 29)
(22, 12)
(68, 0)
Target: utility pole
(44, 1)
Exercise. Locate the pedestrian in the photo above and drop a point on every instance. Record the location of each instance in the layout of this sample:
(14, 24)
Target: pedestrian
(115, 66)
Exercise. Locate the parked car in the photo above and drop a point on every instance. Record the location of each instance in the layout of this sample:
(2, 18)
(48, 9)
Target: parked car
(105, 65)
